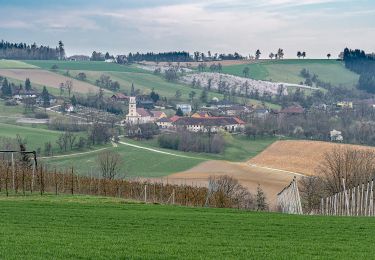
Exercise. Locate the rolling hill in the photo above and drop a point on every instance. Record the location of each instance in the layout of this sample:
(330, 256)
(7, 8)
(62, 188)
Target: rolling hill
(288, 71)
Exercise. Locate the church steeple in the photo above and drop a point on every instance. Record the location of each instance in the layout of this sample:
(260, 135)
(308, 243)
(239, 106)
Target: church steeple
(132, 107)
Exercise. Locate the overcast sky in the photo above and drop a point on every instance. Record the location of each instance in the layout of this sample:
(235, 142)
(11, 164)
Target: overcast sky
(122, 26)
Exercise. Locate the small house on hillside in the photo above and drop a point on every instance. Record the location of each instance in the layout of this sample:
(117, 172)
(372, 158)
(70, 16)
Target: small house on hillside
(119, 97)
(336, 136)
(293, 110)
(164, 123)
(235, 110)
(261, 112)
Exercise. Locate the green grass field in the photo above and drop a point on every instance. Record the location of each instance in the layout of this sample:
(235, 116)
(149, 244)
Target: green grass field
(35, 137)
(83, 65)
(14, 64)
(288, 71)
(137, 162)
(83, 227)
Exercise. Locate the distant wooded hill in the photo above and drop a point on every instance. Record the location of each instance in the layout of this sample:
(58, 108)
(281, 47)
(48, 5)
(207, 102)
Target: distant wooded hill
(23, 51)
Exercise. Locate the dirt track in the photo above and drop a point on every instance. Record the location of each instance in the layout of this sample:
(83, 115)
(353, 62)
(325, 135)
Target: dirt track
(47, 78)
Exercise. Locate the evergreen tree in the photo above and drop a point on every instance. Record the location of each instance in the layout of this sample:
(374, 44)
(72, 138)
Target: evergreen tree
(45, 97)
(132, 90)
(179, 112)
(27, 84)
(154, 96)
(61, 50)
(204, 96)
(6, 89)
(73, 100)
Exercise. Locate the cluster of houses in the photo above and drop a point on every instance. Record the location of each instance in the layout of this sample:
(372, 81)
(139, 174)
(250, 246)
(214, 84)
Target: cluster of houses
(197, 122)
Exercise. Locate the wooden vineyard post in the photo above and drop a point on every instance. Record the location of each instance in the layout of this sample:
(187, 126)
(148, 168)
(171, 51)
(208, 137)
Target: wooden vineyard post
(358, 200)
(371, 206)
(72, 182)
(366, 198)
(41, 180)
(363, 186)
(145, 193)
(55, 177)
(346, 198)
(13, 172)
(173, 196)
(32, 178)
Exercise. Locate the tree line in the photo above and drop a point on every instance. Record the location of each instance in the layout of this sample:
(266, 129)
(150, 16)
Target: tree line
(362, 64)
(23, 51)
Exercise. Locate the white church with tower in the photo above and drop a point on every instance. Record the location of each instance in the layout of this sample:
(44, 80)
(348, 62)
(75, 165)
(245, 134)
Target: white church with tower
(138, 116)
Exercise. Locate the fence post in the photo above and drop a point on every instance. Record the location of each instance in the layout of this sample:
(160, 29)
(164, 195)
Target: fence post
(346, 198)
(72, 183)
(145, 191)
(13, 173)
(33, 177)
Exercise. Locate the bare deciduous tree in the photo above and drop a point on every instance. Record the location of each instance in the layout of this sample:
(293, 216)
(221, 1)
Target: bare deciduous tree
(227, 192)
(109, 164)
(354, 165)
(69, 86)
(311, 190)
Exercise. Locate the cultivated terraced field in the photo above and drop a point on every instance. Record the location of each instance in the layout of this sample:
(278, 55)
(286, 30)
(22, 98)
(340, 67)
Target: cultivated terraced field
(83, 227)
(297, 156)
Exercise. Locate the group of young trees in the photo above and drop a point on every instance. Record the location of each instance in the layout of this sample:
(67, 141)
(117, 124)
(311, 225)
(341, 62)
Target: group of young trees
(278, 55)
(301, 54)
(363, 64)
(106, 82)
(192, 142)
(19, 51)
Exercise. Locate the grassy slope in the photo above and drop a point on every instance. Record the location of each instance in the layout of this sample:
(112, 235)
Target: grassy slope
(84, 227)
(14, 64)
(83, 65)
(288, 71)
(35, 136)
(126, 75)
(135, 162)
(144, 163)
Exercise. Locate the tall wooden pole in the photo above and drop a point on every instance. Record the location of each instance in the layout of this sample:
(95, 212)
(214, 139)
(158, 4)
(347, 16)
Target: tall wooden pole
(346, 197)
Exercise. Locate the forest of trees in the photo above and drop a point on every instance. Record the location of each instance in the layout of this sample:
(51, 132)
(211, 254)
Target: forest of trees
(363, 64)
(175, 56)
(19, 51)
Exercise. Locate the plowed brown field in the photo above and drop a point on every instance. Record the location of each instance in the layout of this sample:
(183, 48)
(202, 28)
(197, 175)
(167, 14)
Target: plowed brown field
(47, 78)
(297, 156)
(273, 169)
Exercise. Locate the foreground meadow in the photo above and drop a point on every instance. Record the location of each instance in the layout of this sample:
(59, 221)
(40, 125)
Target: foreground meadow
(106, 228)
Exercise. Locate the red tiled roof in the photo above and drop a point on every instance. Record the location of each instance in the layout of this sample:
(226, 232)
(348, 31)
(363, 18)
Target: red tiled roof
(157, 114)
(293, 110)
(164, 119)
(120, 96)
(174, 118)
(143, 112)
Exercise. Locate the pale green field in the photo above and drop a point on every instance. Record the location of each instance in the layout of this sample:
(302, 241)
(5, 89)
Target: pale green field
(14, 64)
